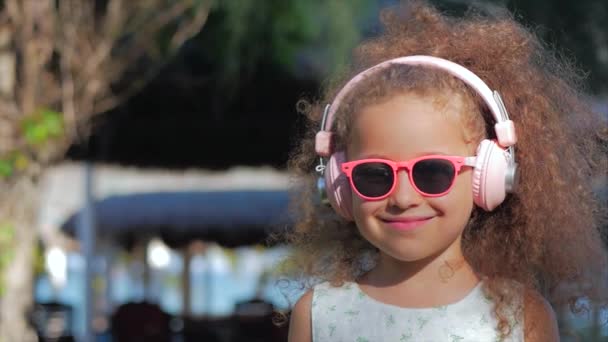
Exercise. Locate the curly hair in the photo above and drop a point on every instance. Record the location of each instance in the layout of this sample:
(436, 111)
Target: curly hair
(546, 236)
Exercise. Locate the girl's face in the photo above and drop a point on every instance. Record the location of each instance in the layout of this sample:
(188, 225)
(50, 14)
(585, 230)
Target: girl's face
(405, 127)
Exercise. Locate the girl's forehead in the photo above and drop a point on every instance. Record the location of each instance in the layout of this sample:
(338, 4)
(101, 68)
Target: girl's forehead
(408, 125)
(447, 102)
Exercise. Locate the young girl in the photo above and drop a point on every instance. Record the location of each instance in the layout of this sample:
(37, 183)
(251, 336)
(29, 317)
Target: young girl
(431, 235)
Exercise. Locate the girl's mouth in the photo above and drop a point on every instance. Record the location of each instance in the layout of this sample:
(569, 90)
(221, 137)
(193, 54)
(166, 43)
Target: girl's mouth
(407, 223)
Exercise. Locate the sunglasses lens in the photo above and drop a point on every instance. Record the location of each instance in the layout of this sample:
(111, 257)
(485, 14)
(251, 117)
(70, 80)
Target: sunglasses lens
(373, 179)
(433, 176)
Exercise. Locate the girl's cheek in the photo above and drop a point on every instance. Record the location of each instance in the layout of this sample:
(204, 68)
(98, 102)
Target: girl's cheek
(368, 207)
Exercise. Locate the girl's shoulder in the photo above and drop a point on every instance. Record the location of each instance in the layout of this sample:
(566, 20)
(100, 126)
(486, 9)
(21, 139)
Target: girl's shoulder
(300, 322)
(325, 288)
(327, 295)
(300, 327)
(529, 309)
(541, 323)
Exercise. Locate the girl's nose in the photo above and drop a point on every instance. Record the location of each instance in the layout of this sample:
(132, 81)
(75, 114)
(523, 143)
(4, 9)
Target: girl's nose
(404, 196)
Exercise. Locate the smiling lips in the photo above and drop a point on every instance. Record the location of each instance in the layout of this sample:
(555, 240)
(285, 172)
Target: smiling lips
(407, 223)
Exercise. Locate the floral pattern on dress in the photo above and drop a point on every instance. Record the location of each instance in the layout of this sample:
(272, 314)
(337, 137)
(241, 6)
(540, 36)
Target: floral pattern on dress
(347, 314)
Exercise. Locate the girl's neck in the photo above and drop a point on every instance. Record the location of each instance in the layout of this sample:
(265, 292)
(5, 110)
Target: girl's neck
(436, 280)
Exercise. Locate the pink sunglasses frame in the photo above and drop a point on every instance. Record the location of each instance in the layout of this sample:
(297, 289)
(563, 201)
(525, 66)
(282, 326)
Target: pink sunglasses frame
(457, 161)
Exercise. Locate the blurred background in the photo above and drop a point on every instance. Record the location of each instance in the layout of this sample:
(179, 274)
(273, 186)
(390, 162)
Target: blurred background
(142, 156)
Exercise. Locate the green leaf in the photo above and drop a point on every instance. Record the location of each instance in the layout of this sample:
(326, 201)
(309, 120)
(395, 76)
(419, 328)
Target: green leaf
(52, 121)
(36, 134)
(43, 125)
(6, 168)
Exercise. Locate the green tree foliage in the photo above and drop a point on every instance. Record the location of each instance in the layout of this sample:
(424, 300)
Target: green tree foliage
(242, 33)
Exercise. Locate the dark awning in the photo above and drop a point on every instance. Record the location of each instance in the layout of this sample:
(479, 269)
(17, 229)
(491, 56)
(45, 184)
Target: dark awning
(230, 218)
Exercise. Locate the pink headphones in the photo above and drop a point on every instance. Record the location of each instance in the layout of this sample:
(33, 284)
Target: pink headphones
(495, 169)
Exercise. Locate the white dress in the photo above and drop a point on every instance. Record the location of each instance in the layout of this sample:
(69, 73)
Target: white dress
(347, 314)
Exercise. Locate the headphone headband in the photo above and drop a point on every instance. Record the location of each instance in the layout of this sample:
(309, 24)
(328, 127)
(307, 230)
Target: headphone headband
(504, 128)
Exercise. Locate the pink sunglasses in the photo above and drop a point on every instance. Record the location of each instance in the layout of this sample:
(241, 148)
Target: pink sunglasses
(431, 176)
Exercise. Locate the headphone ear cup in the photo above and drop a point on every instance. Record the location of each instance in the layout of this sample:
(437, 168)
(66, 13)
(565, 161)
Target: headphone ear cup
(337, 186)
(489, 175)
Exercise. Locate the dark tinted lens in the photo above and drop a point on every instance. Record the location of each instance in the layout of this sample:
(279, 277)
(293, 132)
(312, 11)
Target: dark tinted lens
(373, 179)
(433, 176)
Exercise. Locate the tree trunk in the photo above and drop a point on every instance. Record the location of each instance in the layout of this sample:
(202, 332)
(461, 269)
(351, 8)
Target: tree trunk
(18, 207)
